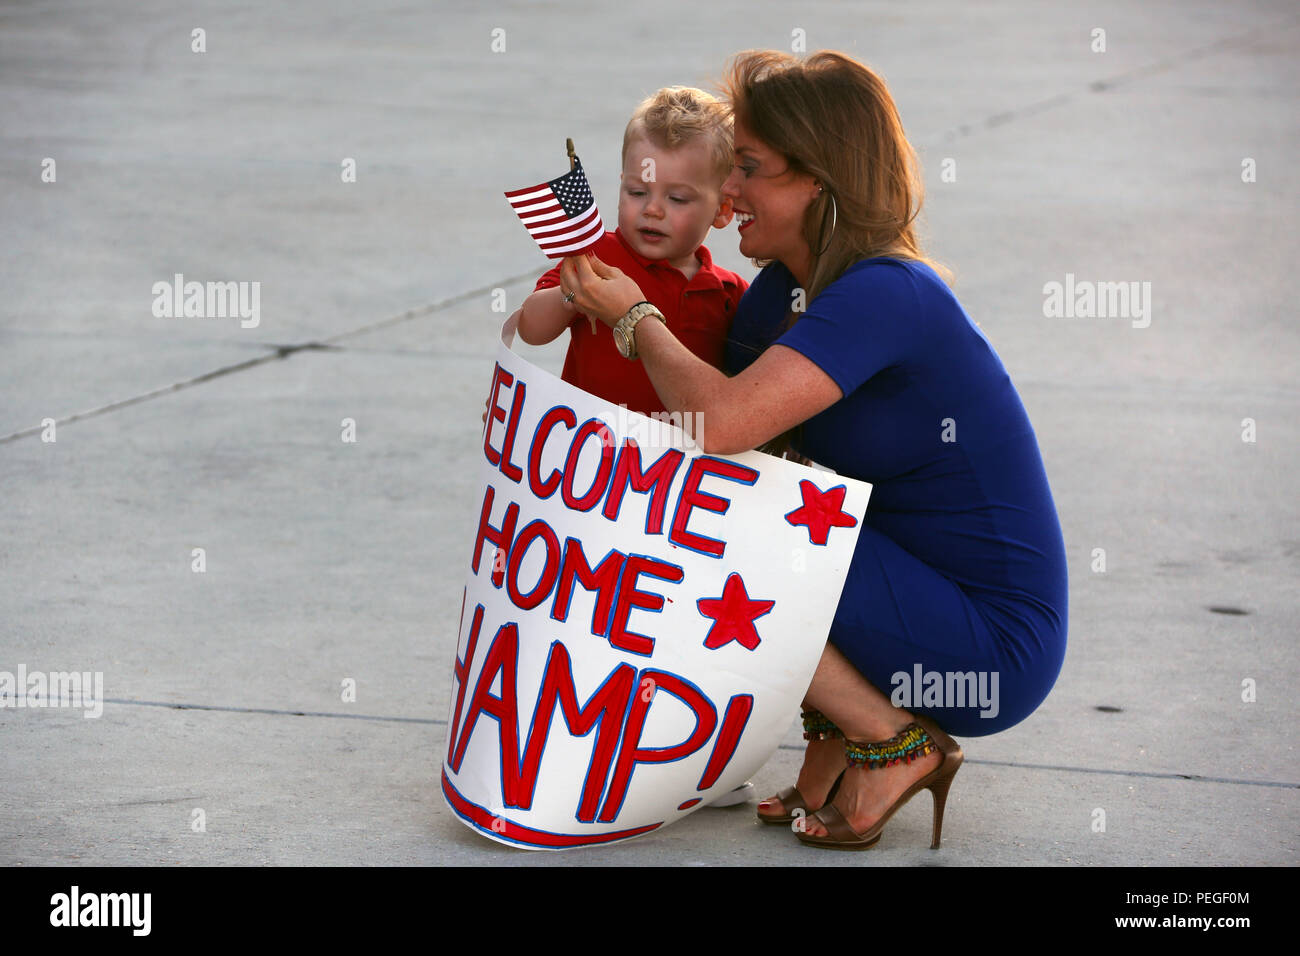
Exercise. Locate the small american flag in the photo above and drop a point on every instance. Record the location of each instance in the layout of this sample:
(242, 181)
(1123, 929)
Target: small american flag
(561, 214)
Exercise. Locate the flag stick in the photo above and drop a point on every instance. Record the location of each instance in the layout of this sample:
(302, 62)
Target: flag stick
(568, 144)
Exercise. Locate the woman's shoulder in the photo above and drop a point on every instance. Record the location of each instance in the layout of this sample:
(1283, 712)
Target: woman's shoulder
(892, 271)
(881, 282)
(886, 286)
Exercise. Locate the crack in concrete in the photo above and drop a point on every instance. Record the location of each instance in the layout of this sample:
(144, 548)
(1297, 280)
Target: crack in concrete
(442, 723)
(1110, 83)
(989, 122)
(276, 353)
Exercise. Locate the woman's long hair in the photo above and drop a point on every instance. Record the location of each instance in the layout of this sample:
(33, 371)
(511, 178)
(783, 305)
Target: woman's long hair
(833, 118)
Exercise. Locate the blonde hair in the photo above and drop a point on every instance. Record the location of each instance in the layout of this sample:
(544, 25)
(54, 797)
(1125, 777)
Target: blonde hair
(834, 118)
(677, 115)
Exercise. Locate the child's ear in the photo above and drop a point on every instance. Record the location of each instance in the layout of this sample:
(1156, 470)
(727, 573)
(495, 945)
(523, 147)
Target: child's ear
(725, 214)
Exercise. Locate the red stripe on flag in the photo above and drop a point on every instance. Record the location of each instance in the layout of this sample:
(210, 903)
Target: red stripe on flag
(541, 208)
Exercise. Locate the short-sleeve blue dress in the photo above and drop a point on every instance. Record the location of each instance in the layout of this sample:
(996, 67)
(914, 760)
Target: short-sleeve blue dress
(960, 573)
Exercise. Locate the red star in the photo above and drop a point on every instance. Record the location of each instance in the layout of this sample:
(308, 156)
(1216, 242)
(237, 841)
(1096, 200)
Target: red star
(821, 511)
(733, 615)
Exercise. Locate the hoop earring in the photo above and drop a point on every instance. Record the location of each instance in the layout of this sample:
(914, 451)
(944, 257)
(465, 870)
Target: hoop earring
(834, 223)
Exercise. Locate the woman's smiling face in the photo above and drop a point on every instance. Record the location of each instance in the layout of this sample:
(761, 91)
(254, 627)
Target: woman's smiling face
(770, 201)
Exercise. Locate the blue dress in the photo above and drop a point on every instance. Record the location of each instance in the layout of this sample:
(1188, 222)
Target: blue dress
(955, 604)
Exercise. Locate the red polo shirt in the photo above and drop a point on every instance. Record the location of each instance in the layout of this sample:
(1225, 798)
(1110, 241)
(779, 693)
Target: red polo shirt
(699, 313)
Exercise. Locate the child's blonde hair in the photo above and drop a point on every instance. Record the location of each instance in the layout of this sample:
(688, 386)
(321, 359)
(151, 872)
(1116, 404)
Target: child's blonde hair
(677, 115)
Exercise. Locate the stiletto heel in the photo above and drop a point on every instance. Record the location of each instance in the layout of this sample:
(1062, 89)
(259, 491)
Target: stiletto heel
(939, 790)
(952, 758)
(918, 739)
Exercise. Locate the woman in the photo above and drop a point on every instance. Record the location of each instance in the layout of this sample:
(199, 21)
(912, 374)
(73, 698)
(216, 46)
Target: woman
(850, 350)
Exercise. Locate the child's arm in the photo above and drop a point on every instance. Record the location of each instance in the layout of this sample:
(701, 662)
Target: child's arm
(544, 316)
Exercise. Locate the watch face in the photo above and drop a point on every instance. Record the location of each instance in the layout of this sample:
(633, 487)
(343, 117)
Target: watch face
(620, 339)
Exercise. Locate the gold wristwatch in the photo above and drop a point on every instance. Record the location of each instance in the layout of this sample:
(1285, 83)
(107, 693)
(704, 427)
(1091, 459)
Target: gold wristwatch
(625, 328)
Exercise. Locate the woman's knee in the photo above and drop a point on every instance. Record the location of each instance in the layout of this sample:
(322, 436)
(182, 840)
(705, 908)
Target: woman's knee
(966, 697)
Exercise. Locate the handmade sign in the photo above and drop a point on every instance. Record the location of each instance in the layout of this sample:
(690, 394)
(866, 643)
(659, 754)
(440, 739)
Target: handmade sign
(640, 619)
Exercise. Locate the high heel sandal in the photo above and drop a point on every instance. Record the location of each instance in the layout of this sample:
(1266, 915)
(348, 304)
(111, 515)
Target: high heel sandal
(816, 726)
(916, 740)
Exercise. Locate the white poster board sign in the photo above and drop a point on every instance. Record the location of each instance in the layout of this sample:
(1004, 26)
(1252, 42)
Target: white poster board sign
(640, 619)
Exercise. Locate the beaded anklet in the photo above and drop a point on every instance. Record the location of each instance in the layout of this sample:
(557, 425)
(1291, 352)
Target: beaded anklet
(910, 744)
(817, 726)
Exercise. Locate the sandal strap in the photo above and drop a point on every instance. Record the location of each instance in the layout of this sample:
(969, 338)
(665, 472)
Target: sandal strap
(911, 743)
(792, 800)
(817, 726)
(837, 827)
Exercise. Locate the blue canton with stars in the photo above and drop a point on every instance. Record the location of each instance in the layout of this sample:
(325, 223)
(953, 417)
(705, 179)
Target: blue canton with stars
(572, 191)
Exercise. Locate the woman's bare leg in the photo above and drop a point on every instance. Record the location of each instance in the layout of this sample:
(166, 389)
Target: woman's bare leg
(862, 713)
(822, 762)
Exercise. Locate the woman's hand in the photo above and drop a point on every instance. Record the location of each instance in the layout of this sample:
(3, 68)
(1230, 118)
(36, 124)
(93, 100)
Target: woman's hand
(598, 289)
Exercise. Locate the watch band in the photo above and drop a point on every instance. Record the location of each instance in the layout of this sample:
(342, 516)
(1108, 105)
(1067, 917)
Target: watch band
(625, 328)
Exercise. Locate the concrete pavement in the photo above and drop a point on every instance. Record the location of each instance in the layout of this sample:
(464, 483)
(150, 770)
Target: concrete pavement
(327, 560)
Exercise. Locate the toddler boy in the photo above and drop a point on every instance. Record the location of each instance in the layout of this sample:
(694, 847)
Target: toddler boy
(677, 153)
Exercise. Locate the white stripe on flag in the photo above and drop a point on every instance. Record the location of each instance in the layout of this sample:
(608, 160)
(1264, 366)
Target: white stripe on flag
(530, 196)
(543, 232)
(555, 215)
(552, 203)
(551, 251)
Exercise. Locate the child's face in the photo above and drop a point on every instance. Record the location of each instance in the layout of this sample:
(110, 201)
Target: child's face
(668, 200)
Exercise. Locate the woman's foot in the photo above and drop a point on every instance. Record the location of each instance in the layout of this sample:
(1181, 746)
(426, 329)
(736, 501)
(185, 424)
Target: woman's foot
(823, 761)
(867, 795)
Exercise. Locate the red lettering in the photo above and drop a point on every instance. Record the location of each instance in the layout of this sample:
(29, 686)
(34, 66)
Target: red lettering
(592, 426)
(532, 531)
(495, 412)
(631, 752)
(733, 725)
(692, 498)
(509, 468)
(501, 537)
(605, 708)
(603, 580)
(498, 414)
(604, 711)
(503, 657)
(460, 671)
(544, 489)
(657, 479)
(629, 597)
